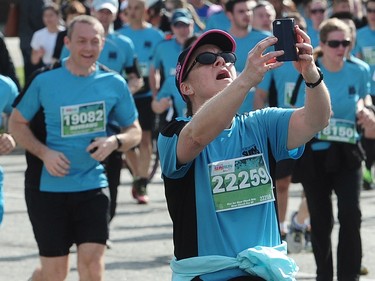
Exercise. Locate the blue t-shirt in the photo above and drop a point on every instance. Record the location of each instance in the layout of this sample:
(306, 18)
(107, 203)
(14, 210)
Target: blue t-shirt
(166, 56)
(8, 92)
(346, 87)
(366, 71)
(285, 78)
(203, 10)
(75, 112)
(145, 41)
(314, 36)
(169, 90)
(244, 45)
(203, 226)
(365, 46)
(218, 20)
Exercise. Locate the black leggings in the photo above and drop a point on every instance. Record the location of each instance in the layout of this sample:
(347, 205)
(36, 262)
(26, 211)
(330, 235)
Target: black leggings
(345, 183)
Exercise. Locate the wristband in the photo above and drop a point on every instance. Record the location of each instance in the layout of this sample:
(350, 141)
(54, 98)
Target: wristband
(313, 85)
(119, 142)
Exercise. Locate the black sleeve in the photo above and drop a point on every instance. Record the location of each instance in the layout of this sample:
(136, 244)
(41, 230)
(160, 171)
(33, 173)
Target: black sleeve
(34, 74)
(6, 63)
(59, 45)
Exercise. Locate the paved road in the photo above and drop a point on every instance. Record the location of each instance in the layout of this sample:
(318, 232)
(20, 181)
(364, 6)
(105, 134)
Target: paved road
(142, 234)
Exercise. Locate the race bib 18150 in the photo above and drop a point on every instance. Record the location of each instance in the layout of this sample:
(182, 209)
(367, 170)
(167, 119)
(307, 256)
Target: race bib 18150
(339, 130)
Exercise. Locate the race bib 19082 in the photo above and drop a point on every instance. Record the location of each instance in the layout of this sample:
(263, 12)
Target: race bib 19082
(240, 183)
(82, 119)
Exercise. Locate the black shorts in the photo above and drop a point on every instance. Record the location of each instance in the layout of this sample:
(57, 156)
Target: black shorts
(284, 168)
(146, 116)
(61, 219)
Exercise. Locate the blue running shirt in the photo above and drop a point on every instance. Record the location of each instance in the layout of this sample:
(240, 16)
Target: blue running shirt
(76, 110)
(208, 198)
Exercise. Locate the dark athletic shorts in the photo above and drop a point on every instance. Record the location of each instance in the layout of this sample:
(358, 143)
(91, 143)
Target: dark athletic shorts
(61, 219)
(284, 168)
(146, 116)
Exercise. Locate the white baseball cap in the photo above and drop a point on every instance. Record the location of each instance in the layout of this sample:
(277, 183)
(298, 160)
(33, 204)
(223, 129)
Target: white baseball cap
(111, 5)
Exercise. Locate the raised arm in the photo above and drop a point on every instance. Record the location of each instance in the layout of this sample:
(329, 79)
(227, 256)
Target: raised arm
(314, 116)
(217, 113)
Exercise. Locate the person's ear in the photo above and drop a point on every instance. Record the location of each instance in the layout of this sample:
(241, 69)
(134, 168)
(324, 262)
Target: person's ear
(186, 89)
(67, 42)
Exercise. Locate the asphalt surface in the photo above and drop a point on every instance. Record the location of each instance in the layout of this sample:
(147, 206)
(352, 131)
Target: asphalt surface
(141, 234)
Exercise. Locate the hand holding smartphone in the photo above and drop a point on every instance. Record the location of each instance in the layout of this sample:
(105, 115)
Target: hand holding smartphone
(284, 30)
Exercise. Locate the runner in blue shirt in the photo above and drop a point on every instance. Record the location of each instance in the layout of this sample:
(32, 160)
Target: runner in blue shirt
(163, 64)
(332, 161)
(240, 13)
(8, 92)
(61, 120)
(119, 55)
(264, 14)
(145, 38)
(368, 144)
(317, 12)
(215, 163)
(219, 19)
(168, 98)
(166, 53)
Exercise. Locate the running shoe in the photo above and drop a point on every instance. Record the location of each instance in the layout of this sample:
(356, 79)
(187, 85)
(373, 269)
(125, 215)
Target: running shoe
(295, 237)
(109, 244)
(368, 181)
(139, 190)
(364, 270)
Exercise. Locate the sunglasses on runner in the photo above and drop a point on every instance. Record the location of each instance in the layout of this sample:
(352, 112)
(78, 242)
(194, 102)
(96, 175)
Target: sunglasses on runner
(337, 43)
(316, 11)
(207, 58)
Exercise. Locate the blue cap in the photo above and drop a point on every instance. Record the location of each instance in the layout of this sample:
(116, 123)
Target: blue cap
(181, 15)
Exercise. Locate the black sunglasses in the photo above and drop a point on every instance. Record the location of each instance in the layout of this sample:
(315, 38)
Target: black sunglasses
(180, 24)
(315, 11)
(337, 43)
(369, 10)
(207, 58)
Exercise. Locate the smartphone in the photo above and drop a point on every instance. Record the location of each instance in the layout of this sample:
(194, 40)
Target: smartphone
(284, 30)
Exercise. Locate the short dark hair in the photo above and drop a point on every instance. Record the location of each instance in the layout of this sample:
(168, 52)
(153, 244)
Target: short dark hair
(53, 7)
(229, 6)
(343, 15)
(85, 19)
(73, 7)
